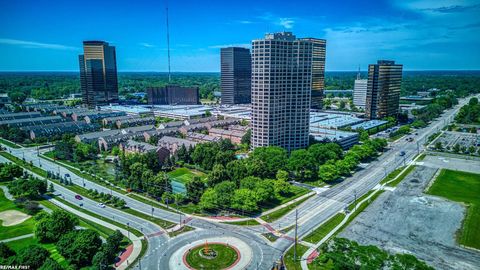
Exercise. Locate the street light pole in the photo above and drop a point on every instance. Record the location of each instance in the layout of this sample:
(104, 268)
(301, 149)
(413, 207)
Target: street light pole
(296, 229)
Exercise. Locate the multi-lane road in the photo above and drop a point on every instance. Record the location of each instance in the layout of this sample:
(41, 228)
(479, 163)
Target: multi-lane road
(310, 214)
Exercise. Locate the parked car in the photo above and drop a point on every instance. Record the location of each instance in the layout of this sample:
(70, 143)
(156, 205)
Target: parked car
(78, 197)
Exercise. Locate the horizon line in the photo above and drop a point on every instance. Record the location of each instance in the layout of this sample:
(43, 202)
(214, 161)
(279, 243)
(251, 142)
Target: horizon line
(156, 71)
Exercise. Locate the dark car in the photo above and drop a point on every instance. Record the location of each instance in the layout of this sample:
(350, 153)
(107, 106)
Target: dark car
(78, 197)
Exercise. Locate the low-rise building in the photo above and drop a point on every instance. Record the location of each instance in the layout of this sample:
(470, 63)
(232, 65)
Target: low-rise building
(343, 138)
(233, 135)
(158, 133)
(19, 115)
(58, 129)
(200, 138)
(172, 144)
(17, 123)
(132, 146)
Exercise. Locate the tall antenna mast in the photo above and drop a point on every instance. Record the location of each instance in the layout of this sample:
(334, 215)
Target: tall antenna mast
(358, 74)
(168, 44)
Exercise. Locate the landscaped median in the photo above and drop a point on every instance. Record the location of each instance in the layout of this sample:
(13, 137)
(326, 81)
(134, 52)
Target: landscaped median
(9, 143)
(83, 192)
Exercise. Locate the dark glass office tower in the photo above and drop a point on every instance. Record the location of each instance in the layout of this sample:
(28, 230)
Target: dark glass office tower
(98, 73)
(383, 89)
(281, 91)
(236, 68)
(318, 71)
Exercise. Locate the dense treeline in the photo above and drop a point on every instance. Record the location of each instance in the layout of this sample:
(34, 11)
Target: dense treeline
(470, 113)
(58, 85)
(434, 109)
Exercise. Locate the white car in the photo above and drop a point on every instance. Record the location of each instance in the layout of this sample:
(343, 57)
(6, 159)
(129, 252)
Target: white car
(101, 205)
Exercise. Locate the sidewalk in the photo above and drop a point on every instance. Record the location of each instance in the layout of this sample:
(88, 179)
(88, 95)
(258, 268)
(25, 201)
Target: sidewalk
(17, 238)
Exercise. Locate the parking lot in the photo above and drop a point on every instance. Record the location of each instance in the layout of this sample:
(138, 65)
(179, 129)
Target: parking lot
(450, 138)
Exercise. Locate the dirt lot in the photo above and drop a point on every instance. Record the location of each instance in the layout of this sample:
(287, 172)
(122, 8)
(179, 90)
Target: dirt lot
(12, 217)
(408, 221)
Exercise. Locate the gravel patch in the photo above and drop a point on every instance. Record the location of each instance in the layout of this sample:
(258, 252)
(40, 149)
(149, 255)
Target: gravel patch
(408, 221)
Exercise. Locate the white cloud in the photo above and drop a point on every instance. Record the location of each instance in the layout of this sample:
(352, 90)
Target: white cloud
(147, 45)
(34, 44)
(286, 22)
(244, 45)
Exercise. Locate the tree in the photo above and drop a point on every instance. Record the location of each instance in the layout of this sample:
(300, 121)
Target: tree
(79, 246)
(195, 188)
(264, 191)
(217, 175)
(328, 172)
(456, 148)
(264, 162)
(438, 145)
(342, 105)
(282, 187)
(224, 191)
(247, 137)
(250, 182)
(50, 227)
(33, 256)
(282, 176)
(51, 264)
(322, 152)
(245, 200)
(236, 170)
(158, 184)
(5, 251)
(209, 200)
(9, 171)
(136, 172)
(32, 188)
(101, 261)
(303, 165)
(51, 188)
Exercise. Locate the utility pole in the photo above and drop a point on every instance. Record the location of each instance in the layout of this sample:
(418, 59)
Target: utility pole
(296, 229)
(168, 42)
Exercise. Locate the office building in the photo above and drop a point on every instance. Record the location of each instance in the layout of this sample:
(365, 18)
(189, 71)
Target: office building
(173, 95)
(360, 92)
(98, 73)
(281, 91)
(318, 71)
(236, 72)
(383, 89)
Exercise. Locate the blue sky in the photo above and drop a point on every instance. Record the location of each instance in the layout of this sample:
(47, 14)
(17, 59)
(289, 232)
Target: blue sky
(421, 34)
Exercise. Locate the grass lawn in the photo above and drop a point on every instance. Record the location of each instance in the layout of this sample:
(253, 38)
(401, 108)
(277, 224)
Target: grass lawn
(319, 233)
(183, 230)
(23, 164)
(23, 243)
(282, 211)
(249, 222)
(99, 172)
(226, 256)
(183, 175)
(394, 174)
(462, 187)
(118, 224)
(160, 222)
(23, 228)
(8, 143)
(290, 263)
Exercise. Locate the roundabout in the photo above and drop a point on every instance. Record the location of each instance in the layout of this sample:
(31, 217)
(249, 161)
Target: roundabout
(212, 256)
(212, 253)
